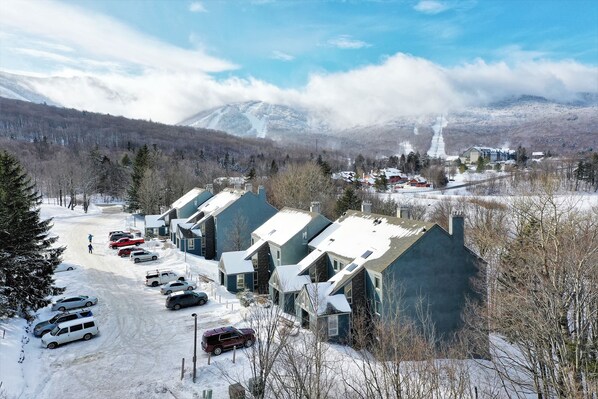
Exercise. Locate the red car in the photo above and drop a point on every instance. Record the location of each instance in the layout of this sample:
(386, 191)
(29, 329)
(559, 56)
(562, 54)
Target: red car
(127, 251)
(225, 338)
(126, 241)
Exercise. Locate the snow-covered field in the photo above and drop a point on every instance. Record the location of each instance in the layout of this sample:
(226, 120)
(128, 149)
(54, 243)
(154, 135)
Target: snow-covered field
(141, 343)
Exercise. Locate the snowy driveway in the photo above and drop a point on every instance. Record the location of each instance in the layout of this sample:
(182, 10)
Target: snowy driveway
(141, 343)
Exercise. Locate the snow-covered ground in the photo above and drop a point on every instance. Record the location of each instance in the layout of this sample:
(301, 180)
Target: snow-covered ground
(141, 343)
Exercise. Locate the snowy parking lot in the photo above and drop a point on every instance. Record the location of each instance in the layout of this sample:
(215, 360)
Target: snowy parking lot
(141, 344)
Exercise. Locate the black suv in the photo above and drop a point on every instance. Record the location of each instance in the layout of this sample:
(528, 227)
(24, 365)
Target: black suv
(48, 325)
(224, 338)
(183, 299)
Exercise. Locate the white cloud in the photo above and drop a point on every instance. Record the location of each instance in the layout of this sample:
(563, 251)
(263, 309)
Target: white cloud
(141, 77)
(282, 56)
(97, 36)
(196, 6)
(346, 42)
(430, 7)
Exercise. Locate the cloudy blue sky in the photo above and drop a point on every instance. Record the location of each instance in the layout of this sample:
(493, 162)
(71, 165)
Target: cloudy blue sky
(355, 61)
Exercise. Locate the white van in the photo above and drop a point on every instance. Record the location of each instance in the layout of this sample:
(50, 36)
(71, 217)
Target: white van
(69, 331)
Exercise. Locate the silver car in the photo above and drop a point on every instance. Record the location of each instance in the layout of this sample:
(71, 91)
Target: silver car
(74, 302)
(173, 286)
(142, 256)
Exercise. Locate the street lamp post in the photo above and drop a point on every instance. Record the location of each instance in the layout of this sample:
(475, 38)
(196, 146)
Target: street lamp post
(194, 346)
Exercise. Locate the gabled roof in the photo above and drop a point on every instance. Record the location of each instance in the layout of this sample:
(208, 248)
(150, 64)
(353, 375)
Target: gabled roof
(174, 223)
(322, 303)
(191, 195)
(186, 230)
(356, 232)
(235, 263)
(288, 279)
(187, 198)
(153, 221)
(254, 248)
(284, 225)
(218, 203)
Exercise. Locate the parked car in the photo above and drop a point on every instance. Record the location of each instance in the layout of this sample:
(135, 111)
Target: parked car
(71, 331)
(63, 267)
(157, 277)
(143, 256)
(185, 299)
(224, 338)
(116, 232)
(118, 236)
(45, 327)
(125, 241)
(74, 302)
(173, 286)
(126, 252)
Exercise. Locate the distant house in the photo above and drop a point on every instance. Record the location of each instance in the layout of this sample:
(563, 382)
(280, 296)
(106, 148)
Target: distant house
(154, 226)
(380, 264)
(184, 207)
(473, 154)
(224, 222)
(281, 240)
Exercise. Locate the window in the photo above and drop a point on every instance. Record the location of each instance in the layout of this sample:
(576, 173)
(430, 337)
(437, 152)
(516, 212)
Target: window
(335, 265)
(240, 281)
(377, 283)
(191, 244)
(340, 265)
(89, 324)
(78, 327)
(332, 326)
(349, 293)
(278, 257)
(63, 331)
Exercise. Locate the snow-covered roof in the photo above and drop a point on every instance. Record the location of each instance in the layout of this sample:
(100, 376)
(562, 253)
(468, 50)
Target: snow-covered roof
(235, 263)
(174, 223)
(284, 225)
(319, 295)
(186, 230)
(355, 233)
(218, 203)
(188, 197)
(254, 248)
(287, 278)
(153, 221)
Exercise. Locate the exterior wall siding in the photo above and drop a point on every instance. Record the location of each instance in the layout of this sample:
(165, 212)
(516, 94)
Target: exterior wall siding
(210, 238)
(263, 269)
(438, 269)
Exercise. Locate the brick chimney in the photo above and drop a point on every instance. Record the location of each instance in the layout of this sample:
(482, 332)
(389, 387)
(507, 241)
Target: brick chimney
(457, 227)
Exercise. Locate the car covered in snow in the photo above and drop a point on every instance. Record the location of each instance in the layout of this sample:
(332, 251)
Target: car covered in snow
(173, 286)
(63, 267)
(74, 302)
(46, 326)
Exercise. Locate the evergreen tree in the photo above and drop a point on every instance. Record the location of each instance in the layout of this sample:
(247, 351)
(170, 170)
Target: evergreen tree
(521, 156)
(273, 168)
(140, 165)
(250, 175)
(349, 200)
(27, 256)
(481, 166)
(381, 182)
(326, 171)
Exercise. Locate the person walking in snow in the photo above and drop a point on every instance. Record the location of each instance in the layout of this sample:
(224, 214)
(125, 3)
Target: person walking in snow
(89, 237)
(90, 248)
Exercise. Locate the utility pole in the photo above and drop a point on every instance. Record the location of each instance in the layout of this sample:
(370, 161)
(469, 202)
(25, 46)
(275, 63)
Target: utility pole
(194, 347)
